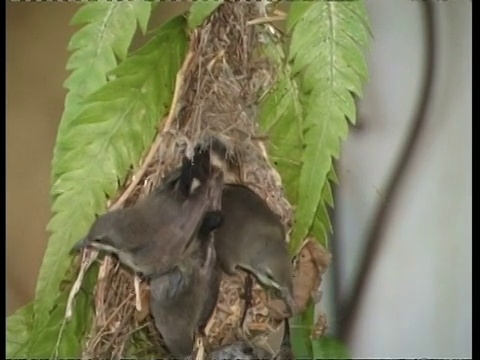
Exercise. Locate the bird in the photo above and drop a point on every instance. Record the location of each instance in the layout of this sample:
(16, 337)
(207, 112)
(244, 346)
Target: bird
(183, 300)
(252, 238)
(152, 235)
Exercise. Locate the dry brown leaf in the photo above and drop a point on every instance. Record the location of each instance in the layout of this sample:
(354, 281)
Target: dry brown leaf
(311, 263)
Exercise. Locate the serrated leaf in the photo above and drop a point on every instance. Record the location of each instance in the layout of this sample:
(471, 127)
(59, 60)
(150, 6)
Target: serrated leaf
(108, 32)
(296, 13)
(281, 119)
(328, 347)
(117, 124)
(326, 52)
(200, 10)
(322, 225)
(60, 338)
(18, 329)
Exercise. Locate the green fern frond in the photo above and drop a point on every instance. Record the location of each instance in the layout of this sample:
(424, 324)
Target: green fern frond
(57, 338)
(326, 53)
(281, 116)
(117, 124)
(18, 325)
(108, 32)
(322, 226)
(200, 10)
(305, 115)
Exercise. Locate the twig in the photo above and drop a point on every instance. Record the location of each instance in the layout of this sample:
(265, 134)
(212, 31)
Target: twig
(266, 19)
(136, 285)
(88, 257)
(176, 94)
(115, 312)
(224, 309)
(121, 324)
(59, 339)
(156, 144)
(102, 273)
(127, 335)
(210, 323)
(201, 349)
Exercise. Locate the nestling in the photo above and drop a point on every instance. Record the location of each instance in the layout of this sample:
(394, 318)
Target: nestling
(252, 238)
(151, 236)
(182, 301)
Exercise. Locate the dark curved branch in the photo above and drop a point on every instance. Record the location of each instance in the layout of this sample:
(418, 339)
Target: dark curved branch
(350, 308)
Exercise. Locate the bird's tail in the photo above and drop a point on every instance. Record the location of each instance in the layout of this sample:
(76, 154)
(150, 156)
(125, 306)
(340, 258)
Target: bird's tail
(195, 171)
(198, 169)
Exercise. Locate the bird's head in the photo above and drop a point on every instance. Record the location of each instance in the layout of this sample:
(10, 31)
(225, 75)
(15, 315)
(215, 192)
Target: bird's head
(105, 234)
(274, 270)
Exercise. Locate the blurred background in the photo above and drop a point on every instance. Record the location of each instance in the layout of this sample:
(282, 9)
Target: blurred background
(418, 297)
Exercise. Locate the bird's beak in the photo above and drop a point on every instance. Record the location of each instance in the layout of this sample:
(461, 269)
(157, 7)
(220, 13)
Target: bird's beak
(78, 246)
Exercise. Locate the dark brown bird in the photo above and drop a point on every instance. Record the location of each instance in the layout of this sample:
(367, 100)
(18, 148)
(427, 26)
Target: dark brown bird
(252, 238)
(182, 301)
(151, 236)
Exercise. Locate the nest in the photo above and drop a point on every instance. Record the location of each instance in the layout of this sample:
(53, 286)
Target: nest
(216, 92)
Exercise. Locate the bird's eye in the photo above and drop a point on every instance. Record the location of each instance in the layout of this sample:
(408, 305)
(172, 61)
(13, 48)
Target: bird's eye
(97, 240)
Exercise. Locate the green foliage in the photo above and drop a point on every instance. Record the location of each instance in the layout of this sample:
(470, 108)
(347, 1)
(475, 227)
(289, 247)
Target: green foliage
(300, 331)
(113, 104)
(200, 10)
(281, 116)
(57, 337)
(305, 115)
(103, 133)
(18, 328)
(305, 347)
(329, 348)
(326, 56)
(108, 32)
(322, 226)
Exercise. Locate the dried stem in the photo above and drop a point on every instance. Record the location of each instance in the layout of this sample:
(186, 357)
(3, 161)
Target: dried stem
(156, 144)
